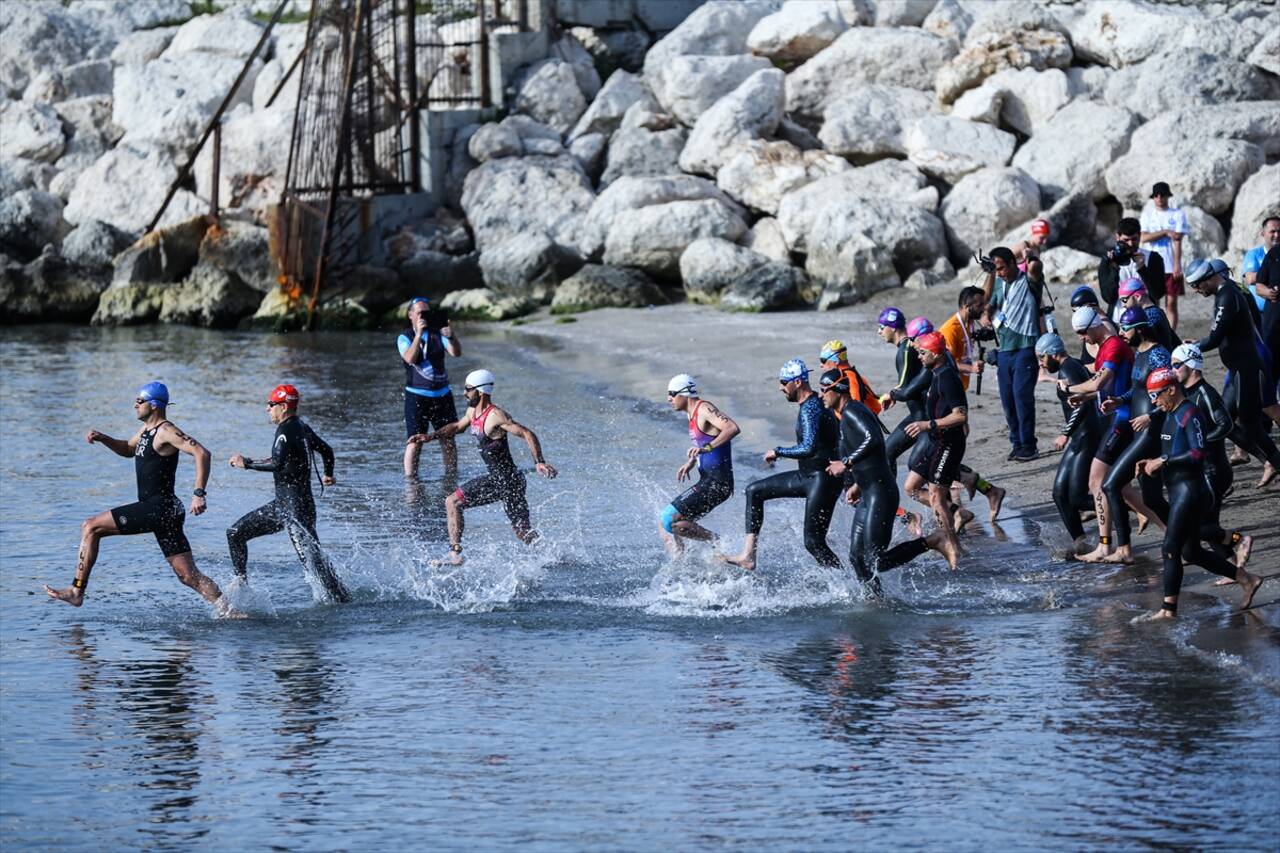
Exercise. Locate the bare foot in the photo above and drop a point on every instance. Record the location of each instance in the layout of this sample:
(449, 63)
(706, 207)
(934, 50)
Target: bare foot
(1248, 588)
(1143, 521)
(742, 561)
(915, 523)
(70, 595)
(1239, 458)
(995, 498)
(963, 517)
(1268, 474)
(1156, 616)
(225, 611)
(1097, 555)
(1243, 549)
(454, 558)
(938, 542)
(1121, 556)
(1224, 581)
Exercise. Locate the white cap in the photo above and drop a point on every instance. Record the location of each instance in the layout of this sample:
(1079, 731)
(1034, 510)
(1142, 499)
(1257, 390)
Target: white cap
(682, 385)
(1188, 354)
(481, 380)
(1085, 317)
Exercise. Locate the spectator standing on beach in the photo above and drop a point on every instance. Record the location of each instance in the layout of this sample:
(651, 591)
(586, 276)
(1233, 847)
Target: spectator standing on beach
(1125, 260)
(1262, 274)
(428, 399)
(1163, 228)
(1013, 308)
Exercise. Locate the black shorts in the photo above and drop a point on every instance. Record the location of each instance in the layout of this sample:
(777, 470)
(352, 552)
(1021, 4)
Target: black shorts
(709, 492)
(162, 516)
(421, 412)
(491, 488)
(939, 460)
(1117, 438)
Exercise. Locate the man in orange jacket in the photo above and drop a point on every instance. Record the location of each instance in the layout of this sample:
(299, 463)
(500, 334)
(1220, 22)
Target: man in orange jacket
(834, 355)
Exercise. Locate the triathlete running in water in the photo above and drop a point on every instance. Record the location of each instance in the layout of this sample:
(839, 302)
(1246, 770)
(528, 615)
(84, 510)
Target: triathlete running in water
(294, 508)
(711, 432)
(1078, 439)
(946, 423)
(912, 385)
(1181, 463)
(817, 442)
(863, 460)
(503, 481)
(154, 448)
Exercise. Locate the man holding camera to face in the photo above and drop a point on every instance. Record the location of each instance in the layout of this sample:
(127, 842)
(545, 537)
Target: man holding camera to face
(1013, 306)
(1125, 260)
(428, 400)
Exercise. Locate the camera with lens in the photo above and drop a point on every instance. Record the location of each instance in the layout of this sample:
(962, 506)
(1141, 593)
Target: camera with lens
(1119, 252)
(984, 333)
(436, 319)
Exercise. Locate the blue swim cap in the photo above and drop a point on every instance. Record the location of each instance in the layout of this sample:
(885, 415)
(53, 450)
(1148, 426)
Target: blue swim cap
(415, 300)
(1083, 295)
(156, 393)
(793, 369)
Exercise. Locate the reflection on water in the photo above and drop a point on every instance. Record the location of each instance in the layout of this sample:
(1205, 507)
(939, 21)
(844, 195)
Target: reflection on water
(588, 693)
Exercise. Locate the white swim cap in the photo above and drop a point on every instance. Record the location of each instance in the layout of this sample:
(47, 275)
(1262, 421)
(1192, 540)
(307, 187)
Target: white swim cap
(481, 380)
(682, 385)
(1085, 317)
(1190, 355)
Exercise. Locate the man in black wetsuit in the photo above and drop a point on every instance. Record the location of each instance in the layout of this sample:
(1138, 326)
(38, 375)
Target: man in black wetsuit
(1078, 440)
(503, 481)
(912, 384)
(817, 440)
(294, 509)
(946, 423)
(1181, 463)
(1237, 339)
(863, 460)
(154, 448)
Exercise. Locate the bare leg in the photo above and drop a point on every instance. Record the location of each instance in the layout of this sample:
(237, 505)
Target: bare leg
(453, 518)
(670, 541)
(1172, 311)
(184, 566)
(1239, 456)
(691, 530)
(939, 499)
(1097, 473)
(915, 488)
(1268, 474)
(1133, 497)
(91, 533)
(411, 454)
(1248, 585)
(449, 457)
(747, 559)
(962, 516)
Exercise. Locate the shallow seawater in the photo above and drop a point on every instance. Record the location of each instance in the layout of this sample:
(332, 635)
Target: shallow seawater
(585, 693)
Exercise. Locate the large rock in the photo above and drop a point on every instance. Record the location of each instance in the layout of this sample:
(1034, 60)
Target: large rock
(1122, 33)
(1064, 265)
(142, 46)
(653, 238)
(255, 154)
(90, 134)
(596, 286)
(21, 174)
(983, 205)
(1186, 78)
(210, 297)
(588, 150)
(1206, 238)
(1022, 99)
(113, 19)
(688, 86)
(165, 255)
(81, 80)
(170, 101)
(31, 131)
(130, 304)
(36, 36)
(492, 141)
(30, 220)
(505, 198)
(751, 111)
(649, 145)
(949, 19)
(994, 52)
(759, 173)
(568, 49)
(716, 28)
(1256, 200)
(125, 188)
(614, 50)
(710, 264)
(232, 33)
(1206, 175)
(892, 57)
(1058, 162)
(1249, 121)
(1010, 16)
(950, 148)
(798, 30)
(1266, 54)
(550, 94)
(869, 123)
(632, 193)
(49, 289)
(766, 288)
(436, 273)
(528, 265)
(619, 93)
(94, 245)
(1073, 221)
(766, 238)
(481, 304)
(240, 248)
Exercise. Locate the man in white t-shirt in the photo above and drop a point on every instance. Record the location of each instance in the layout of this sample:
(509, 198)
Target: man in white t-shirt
(1163, 228)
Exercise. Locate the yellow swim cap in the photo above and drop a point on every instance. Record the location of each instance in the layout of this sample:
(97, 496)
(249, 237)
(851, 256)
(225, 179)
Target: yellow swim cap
(833, 350)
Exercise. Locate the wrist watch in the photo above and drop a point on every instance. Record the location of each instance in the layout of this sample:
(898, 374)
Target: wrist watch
(199, 493)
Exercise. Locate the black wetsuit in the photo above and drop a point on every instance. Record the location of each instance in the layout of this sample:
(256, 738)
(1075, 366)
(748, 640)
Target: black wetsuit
(1217, 467)
(938, 460)
(1083, 429)
(294, 508)
(503, 481)
(1234, 334)
(1183, 451)
(862, 448)
(158, 509)
(913, 385)
(817, 441)
(1143, 446)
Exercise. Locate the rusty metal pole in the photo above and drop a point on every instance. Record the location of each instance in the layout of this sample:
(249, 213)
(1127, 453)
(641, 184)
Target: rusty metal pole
(331, 204)
(484, 56)
(217, 171)
(411, 68)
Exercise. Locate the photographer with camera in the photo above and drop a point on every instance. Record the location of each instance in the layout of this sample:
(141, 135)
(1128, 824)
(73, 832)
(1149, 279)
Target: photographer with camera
(1013, 306)
(1125, 260)
(428, 400)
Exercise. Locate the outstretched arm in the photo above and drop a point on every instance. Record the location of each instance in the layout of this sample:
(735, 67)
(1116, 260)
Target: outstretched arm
(446, 431)
(118, 446)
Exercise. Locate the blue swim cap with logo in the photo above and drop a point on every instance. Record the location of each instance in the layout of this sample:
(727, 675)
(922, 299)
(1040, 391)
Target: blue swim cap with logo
(792, 370)
(155, 393)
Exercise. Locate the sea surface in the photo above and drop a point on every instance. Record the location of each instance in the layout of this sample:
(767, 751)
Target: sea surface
(586, 693)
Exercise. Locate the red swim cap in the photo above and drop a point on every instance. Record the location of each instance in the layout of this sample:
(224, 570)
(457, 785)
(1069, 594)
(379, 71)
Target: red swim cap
(931, 341)
(1040, 226)
(286, 394)
(1162, 378)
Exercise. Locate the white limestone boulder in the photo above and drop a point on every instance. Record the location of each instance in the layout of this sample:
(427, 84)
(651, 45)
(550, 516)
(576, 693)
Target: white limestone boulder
(1206, 238)
(589, 150)
(1248, 121)
(1068, 266)
(991, 53)
(766, 238)
(632, 193)
(30, 131)
(568, 49)
(528, 264)
(869, 122)
(1206, 175)
(1123, 32)
(758, 173)
(1058, 162)
(94, 245)
(716, 28)
(507, 197)
(125, 188)
(653, 238)
(710, 264)
(899, 13)
(798, 30)
(1023, 99)
(232, 33)
(646, 144)
(688, 86)
(1266, 54)
(949, 19)
(751, 111)
(255, 155)
(492, 141)
(39, 36)
(768, 287)
(169, 101)
(620, 92)
(142, 46)
(983, 205)
(1257, 199)
(550, 94)
(950, 148)
(1187, 78)
(598, 286)
(30, 220)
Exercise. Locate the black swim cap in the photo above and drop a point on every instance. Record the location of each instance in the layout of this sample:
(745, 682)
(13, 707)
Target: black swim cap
(835, 380)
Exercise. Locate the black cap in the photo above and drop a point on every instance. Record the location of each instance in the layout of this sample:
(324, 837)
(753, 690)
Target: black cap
(1160, 188)
(835, 380)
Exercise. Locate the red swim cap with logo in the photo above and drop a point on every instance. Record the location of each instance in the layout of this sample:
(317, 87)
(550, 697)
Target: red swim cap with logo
(286, 394)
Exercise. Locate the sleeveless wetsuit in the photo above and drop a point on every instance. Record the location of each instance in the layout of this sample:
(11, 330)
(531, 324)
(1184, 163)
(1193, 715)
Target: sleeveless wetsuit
(939, 461)
(428, 400)
(1144, 445)
(503, 481)
(913, 385)
(817, 441)
(1117, 356)
(294, 508)
(1182, 448)
(715, 475)
(1083, 429)
(862, 448)
(158, 509)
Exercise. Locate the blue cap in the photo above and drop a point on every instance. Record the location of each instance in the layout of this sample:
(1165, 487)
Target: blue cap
(1134, 318)
(415, 300)
(156, 393)
(793, 369)
(1050, 344)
